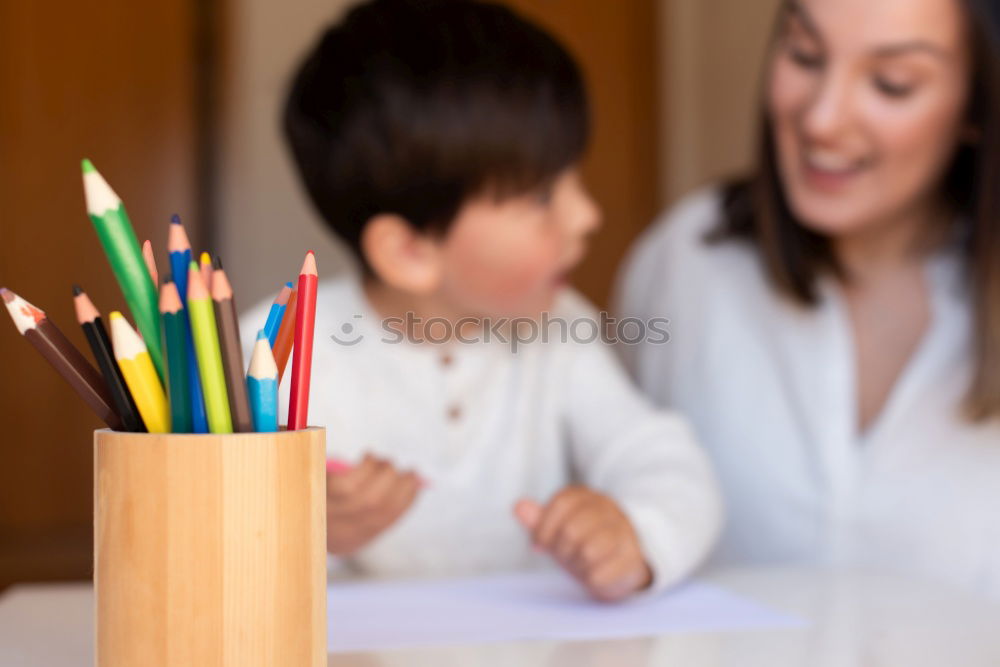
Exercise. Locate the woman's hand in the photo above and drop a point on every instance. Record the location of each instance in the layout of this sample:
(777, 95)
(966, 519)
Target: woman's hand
(589, 536)
(363, 501)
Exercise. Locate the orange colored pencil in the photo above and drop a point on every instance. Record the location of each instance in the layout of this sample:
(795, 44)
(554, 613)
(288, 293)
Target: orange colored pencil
(286, 335)
(147, 256)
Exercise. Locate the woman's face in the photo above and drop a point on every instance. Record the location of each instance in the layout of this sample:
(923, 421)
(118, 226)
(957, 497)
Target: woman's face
(867, 101)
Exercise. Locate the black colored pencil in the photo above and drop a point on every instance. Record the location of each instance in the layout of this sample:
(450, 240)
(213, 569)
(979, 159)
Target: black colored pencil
(100, 344)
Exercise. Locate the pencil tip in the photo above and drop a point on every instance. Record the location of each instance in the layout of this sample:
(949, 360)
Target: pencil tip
(309, 265)
(116, 315)
(261, 335)
(217, 263)
(206, 258)
(77, 290)
(87, 166)
(175, 219)
(6, 294)
(290, 285)
(169, 278)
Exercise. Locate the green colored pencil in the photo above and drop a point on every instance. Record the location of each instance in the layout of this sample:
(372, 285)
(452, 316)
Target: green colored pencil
(175, 336)
(206, 345)
(122, 249)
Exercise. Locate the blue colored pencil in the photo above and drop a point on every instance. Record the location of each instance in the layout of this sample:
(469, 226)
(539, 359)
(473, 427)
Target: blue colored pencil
(277, 312)
(179, 248)
(262, 386)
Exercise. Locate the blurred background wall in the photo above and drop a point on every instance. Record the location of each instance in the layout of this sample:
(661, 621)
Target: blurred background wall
(177, 103)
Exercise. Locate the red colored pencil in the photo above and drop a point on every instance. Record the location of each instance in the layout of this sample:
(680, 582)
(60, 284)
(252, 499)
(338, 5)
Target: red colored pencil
(305, 322)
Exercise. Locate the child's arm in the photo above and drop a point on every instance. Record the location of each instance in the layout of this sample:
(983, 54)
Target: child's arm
(643, 463)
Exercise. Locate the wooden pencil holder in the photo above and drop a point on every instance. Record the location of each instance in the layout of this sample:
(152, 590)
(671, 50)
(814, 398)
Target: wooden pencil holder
(210, 549)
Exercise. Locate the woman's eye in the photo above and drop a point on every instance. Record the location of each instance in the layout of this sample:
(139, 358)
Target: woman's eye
(892, 88)
(805, 58)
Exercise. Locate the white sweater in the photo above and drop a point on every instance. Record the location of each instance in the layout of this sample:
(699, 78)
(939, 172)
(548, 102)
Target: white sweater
(769, 387)
(493, 426)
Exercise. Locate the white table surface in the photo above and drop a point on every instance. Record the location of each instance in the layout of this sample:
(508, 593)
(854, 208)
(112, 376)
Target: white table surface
(852, 618)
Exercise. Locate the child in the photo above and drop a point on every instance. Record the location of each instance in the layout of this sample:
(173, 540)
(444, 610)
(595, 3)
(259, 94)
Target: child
(439, 140)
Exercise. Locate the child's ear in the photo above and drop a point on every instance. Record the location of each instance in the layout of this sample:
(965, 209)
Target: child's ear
(400, 255)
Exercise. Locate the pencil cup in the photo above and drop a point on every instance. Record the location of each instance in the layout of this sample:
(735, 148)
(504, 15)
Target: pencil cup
(210, 549)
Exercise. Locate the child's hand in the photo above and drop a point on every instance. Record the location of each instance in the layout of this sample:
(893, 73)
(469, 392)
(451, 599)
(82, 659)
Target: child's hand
(591, 538)
(365, 500)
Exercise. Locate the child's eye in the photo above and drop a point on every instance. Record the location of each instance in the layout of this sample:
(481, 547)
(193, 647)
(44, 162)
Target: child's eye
(543, 195)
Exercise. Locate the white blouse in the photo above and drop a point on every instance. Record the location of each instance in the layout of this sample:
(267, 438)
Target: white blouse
(770, 389)
(485, 426)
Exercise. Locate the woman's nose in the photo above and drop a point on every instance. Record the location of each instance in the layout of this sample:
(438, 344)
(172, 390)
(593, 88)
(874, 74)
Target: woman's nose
(827, 113)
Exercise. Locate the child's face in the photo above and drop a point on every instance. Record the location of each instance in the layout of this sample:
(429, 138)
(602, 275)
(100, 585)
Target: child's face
(509, 258)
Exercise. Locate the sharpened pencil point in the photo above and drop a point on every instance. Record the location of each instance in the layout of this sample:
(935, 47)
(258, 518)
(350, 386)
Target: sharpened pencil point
(175, 219)
(217, 263)
(309, 265)
(7, 295)
(116, 315)
(289, 285)
(261, 335)
(87, 166)
(77, 290)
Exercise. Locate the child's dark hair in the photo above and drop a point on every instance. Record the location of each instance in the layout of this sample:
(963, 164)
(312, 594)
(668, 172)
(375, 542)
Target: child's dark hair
(412, 106)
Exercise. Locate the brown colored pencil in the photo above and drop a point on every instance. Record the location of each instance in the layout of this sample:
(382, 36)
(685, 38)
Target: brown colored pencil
(286, 335)
(232, 351)
(100, 344)
(50, 342)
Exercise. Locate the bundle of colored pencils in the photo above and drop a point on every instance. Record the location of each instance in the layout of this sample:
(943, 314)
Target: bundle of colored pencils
(182, 371)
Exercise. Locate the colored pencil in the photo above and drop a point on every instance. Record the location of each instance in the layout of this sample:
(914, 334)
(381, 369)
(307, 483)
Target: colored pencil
(179, 248)
(35, 326)
(305, 320)
(232, 351)
(147, 256)
(115, 232)
(276, 313)
(286, 335)
(338, 467)
(206, 270)
(175, 334)
(100, 344)
(262, 386)
(206, 345)
(140, 375)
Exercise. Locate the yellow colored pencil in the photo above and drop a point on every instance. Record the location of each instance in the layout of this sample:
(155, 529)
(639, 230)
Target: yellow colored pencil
(205, 267)
(140, 375)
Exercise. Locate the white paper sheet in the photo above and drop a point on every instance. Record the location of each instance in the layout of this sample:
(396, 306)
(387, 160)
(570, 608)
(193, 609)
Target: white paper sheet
(379, 615)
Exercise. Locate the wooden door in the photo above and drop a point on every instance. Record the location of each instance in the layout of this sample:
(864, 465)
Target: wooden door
(115, 81)
(615, 43)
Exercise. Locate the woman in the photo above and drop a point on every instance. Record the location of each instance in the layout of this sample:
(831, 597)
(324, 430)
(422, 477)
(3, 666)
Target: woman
(835, 320)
